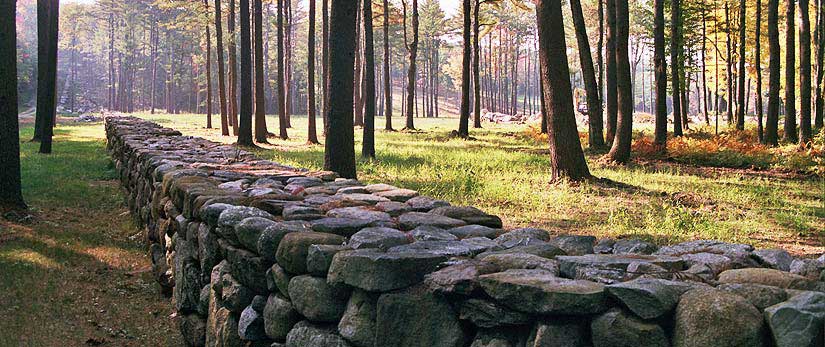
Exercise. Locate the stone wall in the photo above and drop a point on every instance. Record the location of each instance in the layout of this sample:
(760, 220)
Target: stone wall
(255, 253)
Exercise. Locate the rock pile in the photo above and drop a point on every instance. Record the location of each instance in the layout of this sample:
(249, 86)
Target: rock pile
(259, 254)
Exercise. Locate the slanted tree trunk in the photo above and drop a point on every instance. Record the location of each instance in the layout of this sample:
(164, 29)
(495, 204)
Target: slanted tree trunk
(805, 131)
(594, 105)
(772, 122)
(566, 155)
(790, 72)
(412, 49)
(476, 67)
(620, 152)
(221, 72)
(11, 195)
(339, 153)
(612, 101)
(245, 126)
(675, 50)
(47, 22)
(312, 134)
(368, 143)
(758, 66)
(464, 113)
(740, 107)
(283, 123)
(387, 67)
(660, 66)
(260, 100)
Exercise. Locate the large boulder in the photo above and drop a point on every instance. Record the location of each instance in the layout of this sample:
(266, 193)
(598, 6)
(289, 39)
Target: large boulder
(469, 214)
(759, 295)
(378, 237)
(577, 266)
(799, 321)
(417, 318)
(523, 237)
(249, 231)
(710, 317)
(376, 271)
(770, 277)
(294, 247)
(488, 314)
(778, 259)
(340, 226)
(306, 334)
(251, 322)
(445, 248)
(316, 300)
(648, 298)
(618, 329)
(564, 332)
(475, 230)
(412, 220)
(574, 244)
(541, 292)
(460, 278)
(279, 317)
(359, 213)
(271, 237)
(358, 323)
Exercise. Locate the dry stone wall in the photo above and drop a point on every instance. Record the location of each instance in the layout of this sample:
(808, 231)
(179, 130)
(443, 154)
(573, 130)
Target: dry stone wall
(255, 253)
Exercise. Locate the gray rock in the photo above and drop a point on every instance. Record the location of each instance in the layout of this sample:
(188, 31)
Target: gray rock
(370, 199)
(776, 258)
(359, 213)
(445, 248)
(703, 246)
(412, 220)
(604, 246)
(460, 278)
(294, 247)
(508, 261)
(271, 237)
(399, 195)
(234, 295)
(540, 249)
(381, 238)
(709, 317)
(498, 338)
(319, 258)
(251, 325)
(758, 295)
(247, 268)
(302, 212)
(540, 292)
(716, 262)
(188, 285)
(305, 182)
(482, 242)
(471, 215)
(770, 277)
(193, 329)
(340, 226)
(379, 187)
(316, 300)
(560, 332)
(633, 246)
(209, 252)
(487, 314)
(574, 244)
(376, 271)
(475, 230)
(233, 215)
(358, 323)
(424, 203)
(306, 334)
(570, 265)
(809, 268)
(278, 280)
(417, 318)
(522, 237)
(212, 212)
(279, 317)
(431, 233)
(648, 298)
(799, 321)
(353, 190)
(617, 329)
(249, 231)
(394, 208)
(222, 329)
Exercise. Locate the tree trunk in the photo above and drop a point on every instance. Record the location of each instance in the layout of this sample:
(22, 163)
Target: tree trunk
(47, 24)
(805, 132)
(758, 66)
(611, 93)
(245, 126)
(790, 73)
(368, 143)
(476, 67)
(288, 97)
(594, 105)
(675, 64)
(599, 54)
(387, 66)
(620, 152)
(10, 181)
(282, 120)
(740, 110)
(261, 131)
(820, 54)
(312, 134)
(208, 70)
(660, 66)
(359, 67)
(729, 61)
(221, 72)
(233, 70)
(464, 113)
(772, 122)
(566, 155)
(339, 154)
(325, 60)
(704, 64)
(412, 49)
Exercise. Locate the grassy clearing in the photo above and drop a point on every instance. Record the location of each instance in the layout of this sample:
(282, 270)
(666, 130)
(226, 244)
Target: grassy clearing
(78, 273)
(504, 170)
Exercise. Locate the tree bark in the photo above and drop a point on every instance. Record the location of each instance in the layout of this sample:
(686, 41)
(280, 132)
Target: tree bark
(312, 134)
(729, 60)
(611, 92)
(476, 67)
(740, 109)
(758, 66)
(245, 126)
(233, 70)
(325, 60)
(283, 124)
(772, 122)
(208, 70)
(566, 155)
(261, 130)
(620, 152)
(805, 131)
(47, 24)
(387, 66)
(368, 143)
(660, 66)
(339, 154)
(790, 73)
(464, 113)
(820, 54)
(675, 50)
(594, 105)
(11, 195)
(221, 72)
(412, 49)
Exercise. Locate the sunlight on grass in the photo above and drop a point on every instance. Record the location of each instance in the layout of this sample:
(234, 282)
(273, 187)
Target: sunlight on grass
(30, 258)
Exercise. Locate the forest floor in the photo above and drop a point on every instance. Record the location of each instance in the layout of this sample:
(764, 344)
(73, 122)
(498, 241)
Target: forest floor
(76, 273)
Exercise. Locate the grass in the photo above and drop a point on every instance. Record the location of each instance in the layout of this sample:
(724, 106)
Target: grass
(730, 192)
(77, 274)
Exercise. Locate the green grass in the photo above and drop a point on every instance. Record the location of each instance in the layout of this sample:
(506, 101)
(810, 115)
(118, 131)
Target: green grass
(505, 171)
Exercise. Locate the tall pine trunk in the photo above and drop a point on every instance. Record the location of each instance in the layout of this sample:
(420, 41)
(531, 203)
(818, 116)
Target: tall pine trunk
(261, 131)
(208, 70)
(740, 108)
(412, 49)
(312, 134)
(611, 98)
(758, 66)
(660, 66)
(675, 50)
(464, 113)
(772, 121)
(233, 70)
(221, 72)
(805, 132)
(820, 74)
(566, 155)
(283, 123)
(245, 124)
(620, 152)
(47, 23)
(476, 67)
(11, 195)
(368, 143)
(387, 67)
(790, 72)
(594, 105)
(339, 153)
